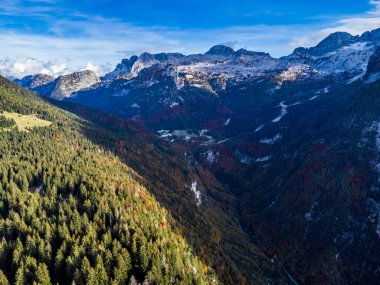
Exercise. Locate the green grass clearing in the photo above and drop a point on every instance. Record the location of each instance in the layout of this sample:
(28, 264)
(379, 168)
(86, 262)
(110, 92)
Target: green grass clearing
(26, 122)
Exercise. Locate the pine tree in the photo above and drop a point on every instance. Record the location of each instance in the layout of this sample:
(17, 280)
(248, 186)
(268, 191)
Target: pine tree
(3, 279)
(43, 277)
(100, 272)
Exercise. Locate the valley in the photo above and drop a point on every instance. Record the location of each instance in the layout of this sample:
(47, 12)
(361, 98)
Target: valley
(261, 170)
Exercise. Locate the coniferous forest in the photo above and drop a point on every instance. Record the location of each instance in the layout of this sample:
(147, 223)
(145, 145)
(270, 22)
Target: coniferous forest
(72, 213)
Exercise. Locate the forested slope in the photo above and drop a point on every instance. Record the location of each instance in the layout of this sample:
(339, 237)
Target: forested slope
(168, 170)
(72, 212)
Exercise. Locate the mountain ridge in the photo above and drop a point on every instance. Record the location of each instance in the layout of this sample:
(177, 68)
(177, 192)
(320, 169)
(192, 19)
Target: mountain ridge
(222, 63)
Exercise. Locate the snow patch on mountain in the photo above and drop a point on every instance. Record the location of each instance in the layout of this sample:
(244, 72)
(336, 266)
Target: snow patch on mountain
(259, 128)
(284, 110)
(354, 58)
(197, 193)
(262, 159)
(212, 157)
(313, 98)
(271, 140)
(227, 122)
(164, 134)
(282, 114)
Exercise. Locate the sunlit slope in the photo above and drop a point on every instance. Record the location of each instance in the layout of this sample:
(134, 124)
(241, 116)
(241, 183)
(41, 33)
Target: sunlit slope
(70, 211)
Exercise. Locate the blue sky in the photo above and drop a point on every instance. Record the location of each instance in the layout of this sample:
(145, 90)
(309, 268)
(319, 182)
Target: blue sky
(59, 36)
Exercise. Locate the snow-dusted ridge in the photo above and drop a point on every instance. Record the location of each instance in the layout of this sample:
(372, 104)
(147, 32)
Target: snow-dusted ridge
(341, 56)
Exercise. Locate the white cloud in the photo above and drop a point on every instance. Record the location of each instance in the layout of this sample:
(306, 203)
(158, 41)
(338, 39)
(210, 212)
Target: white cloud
(104, 43)
(95, 68)
(23, 66)
(353, 25)
(98, 43)
(57, 69)
(376, 9)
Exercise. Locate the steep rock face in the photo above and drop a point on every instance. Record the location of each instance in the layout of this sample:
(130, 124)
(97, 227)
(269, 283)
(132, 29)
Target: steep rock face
(373, 68)
(66, 85)
(122, 68)
(146, 60)
(34, 81)
(332, 43)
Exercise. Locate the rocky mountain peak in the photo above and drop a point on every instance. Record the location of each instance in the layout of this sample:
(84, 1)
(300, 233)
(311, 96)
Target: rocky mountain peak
(125, 62)
(371, 36)
(331, 43)
(65, 85)
(122, 68)
(34, 81)
(221, 50)
(244, 52)
(146, 57)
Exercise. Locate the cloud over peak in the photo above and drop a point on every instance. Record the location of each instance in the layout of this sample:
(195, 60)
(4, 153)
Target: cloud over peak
(354, 24)
(22, 66)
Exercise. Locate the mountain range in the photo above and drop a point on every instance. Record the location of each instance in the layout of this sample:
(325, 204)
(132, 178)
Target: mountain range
(340, 56)
(280, 155)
